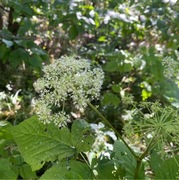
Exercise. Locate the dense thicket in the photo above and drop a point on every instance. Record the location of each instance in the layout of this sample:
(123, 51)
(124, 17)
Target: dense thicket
(136, 45)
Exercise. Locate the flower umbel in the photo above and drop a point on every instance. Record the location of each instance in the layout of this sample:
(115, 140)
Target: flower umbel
(68, 79)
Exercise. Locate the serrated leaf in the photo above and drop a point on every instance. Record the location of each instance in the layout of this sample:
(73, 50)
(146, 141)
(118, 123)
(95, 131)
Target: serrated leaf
(127, 160)
(85, 144)
(105, 169)
(39, 143)
(74, 170)
(80, 136)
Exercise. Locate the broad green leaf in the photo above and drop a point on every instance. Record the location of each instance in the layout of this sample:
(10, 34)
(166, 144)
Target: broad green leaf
(80, 136)
(28, 10)
(38, 51)
(112, 66)
(79, 169)
(35, 61)
(169, 169)
(63, 170)
(17, 56)
(17, 160)
(79, 127)
(155, 160)
(39, 143)
(105, 169)
(25, 172)
(110, 98)
(6, 34)
(6, 171)
(26, 26)
(127, 160)
(116, 88)
(126, 67)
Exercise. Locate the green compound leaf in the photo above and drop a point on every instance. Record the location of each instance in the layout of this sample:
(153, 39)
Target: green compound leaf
(169, 169)
(74, 170)
(39, 143)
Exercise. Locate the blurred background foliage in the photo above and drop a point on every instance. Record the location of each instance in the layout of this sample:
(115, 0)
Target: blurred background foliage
(129, 39)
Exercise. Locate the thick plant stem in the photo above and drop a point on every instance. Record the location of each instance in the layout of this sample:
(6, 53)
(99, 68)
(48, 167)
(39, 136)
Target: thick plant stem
(105, 121)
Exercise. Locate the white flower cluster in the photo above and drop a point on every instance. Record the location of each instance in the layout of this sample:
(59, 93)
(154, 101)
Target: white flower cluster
(67, 79)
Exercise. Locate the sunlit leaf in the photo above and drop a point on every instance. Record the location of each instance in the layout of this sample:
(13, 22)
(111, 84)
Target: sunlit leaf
(73, 170)
(39, 143)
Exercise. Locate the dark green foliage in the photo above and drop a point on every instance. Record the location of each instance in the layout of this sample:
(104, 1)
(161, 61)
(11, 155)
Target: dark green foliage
(136, 44)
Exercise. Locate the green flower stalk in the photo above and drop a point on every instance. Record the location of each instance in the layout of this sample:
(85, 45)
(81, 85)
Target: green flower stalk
(68, 79)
